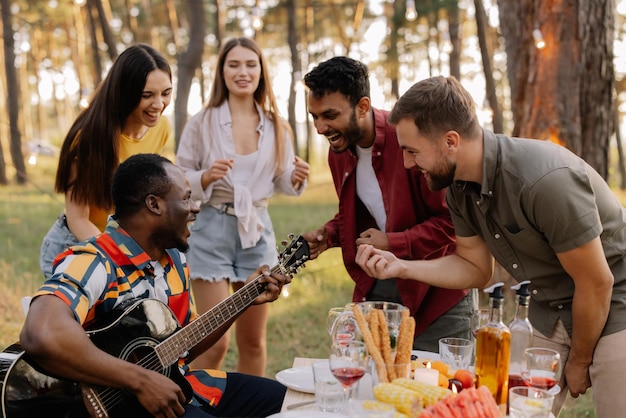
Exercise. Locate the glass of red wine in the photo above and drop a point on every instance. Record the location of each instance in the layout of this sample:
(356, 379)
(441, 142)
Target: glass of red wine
(348, 362)
(542, 368)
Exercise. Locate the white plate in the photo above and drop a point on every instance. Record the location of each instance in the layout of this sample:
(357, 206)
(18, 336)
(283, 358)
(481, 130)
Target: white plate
(306, 414)
(425, 354)
(297, 378)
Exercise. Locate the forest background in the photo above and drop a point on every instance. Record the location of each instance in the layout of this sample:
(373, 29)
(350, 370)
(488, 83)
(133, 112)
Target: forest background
(538, 69)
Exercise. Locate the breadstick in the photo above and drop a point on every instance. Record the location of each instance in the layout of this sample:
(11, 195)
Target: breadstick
(369, 343)
(405, 343)
(372, 320)
(385, 343)
(405, 337)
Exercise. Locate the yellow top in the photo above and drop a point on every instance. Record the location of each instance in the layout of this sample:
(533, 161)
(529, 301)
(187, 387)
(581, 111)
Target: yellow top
(153, 142)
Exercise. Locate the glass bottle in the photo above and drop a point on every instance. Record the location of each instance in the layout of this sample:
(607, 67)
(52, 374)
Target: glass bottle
(521, 334)
(493, 350)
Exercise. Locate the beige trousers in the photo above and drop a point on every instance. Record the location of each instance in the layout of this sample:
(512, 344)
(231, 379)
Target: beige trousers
(607, 371)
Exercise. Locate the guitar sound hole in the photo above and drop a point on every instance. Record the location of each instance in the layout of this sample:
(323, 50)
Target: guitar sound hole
(142, 352)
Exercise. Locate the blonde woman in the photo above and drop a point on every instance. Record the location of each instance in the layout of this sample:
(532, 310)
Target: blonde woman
(237, 152)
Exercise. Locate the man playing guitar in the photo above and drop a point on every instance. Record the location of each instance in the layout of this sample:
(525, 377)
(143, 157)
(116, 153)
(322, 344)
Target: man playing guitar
(141, 256)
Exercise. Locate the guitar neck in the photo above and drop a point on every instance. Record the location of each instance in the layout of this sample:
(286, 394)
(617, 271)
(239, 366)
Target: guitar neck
(176, 346)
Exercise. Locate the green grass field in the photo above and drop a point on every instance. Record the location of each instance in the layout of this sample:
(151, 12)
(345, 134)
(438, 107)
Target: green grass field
(297, 324)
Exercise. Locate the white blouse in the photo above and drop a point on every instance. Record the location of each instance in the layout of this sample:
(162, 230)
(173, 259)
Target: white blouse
(208, 137)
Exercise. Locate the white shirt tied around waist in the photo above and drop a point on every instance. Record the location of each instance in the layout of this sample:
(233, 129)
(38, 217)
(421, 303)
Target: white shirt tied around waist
(194, 156)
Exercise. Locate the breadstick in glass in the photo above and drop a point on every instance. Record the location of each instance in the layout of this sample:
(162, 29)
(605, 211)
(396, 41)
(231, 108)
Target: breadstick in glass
(385, 344)
(405, 343)
(374, 352)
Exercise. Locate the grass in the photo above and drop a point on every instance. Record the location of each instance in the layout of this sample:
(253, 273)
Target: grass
(297, 323)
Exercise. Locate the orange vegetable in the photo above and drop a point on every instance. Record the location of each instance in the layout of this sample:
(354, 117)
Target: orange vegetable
(465, 377)
(442, 367)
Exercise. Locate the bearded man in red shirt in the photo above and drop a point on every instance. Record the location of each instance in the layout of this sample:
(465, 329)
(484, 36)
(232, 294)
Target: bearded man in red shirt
(381, 203)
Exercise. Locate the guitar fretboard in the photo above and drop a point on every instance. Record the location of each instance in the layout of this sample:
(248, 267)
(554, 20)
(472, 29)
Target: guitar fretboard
(177, 345)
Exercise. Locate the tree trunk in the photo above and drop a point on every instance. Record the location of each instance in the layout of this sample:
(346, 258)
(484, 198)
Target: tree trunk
(173, 21)
(621, 167)
(188, 62)
(393, 64)
(130, 20)
(95, 55)
(3, 166)
(220, 22)
(309, 14)
(563, 91)
(38, 54)
(13, 97)
(296, 71)
(597, 57)
(490, 85)
(455, 40)
(107, 33)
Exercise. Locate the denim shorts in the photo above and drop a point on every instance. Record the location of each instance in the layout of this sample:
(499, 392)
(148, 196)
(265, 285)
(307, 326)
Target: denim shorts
(215, 251)
(56, 241)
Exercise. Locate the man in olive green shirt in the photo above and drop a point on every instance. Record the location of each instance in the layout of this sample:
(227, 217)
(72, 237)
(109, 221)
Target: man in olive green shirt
(542, 212)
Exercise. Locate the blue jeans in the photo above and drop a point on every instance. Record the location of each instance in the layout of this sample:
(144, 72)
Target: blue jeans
(56, 241)
(215, 250)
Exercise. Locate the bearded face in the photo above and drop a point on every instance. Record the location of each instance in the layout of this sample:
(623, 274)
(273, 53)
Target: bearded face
(351, 135)
(442, 175)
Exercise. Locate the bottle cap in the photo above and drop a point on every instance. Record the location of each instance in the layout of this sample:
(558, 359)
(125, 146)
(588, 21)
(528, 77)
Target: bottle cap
(521, 289)
(495, 291)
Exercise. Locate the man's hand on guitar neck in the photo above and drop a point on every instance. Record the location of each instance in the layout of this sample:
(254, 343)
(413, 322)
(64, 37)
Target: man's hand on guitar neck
(274, 282)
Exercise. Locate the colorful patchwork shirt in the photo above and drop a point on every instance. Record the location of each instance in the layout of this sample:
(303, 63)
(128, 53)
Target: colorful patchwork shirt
(100, 274)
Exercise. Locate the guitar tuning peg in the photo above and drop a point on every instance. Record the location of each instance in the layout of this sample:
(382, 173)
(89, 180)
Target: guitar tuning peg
(284, 243)
(291, 236)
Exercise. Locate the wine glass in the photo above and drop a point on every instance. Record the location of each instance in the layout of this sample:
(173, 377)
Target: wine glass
(542, 368)
(348, 362)
(479, 318)
(333, 314)
(344, 328)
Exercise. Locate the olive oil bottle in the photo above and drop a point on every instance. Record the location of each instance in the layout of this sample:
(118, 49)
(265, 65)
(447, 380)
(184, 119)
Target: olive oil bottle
(493, 345)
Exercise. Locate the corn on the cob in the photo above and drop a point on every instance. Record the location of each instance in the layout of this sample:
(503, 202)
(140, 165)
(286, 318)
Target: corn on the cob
(405, 400)
(372, 405)
(429, 394)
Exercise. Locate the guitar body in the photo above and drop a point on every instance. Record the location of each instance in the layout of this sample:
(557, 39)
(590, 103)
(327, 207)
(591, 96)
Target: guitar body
(130, 333)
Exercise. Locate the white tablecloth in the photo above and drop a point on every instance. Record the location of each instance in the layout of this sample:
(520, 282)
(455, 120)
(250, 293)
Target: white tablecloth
(293, 397)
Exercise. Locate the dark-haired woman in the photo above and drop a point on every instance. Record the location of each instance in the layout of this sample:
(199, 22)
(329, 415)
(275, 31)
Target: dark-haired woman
(124, 117)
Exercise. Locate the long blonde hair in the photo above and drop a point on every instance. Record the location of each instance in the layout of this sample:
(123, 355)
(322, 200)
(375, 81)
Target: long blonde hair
(263, 95)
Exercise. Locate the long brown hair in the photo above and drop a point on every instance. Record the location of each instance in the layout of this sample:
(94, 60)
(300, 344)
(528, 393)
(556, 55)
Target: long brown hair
(263, 95)
(92, 143)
